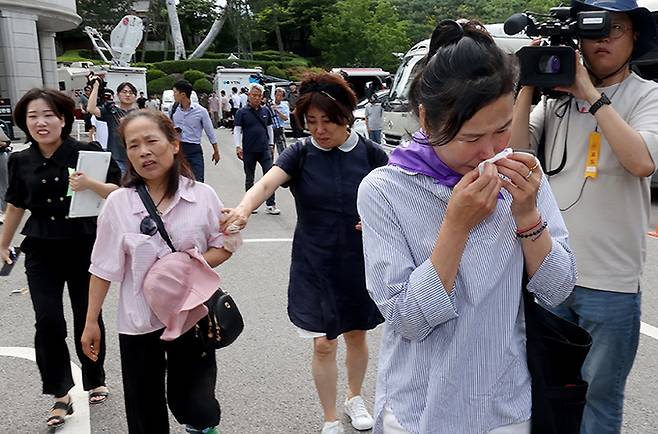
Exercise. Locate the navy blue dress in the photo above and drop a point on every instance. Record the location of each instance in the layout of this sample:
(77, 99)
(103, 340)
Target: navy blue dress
(327, 290)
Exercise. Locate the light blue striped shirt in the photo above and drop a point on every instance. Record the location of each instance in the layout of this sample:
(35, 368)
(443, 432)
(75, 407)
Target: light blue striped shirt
(193, 122)
(452, 364)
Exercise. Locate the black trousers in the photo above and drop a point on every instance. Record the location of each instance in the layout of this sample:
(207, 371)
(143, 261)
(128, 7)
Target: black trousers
(190, 389)
(279, 140)
(194, 155)
(249, 160)
(48, 265)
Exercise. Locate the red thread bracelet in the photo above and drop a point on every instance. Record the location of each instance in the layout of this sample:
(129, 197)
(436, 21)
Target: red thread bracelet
(520, 231)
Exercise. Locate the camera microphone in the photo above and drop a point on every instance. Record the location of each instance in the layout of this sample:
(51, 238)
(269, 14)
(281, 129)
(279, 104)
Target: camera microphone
(515, 24)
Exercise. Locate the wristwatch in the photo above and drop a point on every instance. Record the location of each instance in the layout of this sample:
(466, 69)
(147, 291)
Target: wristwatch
(604, 100)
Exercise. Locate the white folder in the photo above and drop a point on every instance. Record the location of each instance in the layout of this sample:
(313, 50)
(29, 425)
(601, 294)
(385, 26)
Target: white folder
(87, 203)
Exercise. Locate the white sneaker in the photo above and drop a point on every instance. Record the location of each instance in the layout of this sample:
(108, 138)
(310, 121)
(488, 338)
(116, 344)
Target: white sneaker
(272, 210)
(334, 427)
(356, 409)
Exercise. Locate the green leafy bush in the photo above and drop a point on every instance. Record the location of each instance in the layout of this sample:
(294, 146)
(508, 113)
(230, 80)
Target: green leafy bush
(296, 73)
(153, 74)
(159, 85)
(275, 71)
(193, 75)
(202, 85)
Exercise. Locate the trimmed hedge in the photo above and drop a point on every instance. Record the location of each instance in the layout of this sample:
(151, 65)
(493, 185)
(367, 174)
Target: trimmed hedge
(159, 85)
(153, 74)
(275, 71)
(192, 75)
(209, 66)
(202, 85)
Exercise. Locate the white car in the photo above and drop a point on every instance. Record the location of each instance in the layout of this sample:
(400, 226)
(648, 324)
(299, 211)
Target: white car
(168, 100)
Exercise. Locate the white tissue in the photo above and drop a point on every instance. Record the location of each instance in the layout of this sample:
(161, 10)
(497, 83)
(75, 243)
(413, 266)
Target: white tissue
(502, 154)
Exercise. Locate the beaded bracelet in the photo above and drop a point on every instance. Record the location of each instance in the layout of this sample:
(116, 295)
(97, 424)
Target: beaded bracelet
(520, 231)
(535, 234)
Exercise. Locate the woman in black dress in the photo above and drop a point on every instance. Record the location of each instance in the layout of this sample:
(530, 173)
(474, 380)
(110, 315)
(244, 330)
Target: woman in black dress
(327, 294)
(57, 249)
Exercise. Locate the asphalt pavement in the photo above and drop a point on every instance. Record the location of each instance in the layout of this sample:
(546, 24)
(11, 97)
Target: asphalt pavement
(265, 383)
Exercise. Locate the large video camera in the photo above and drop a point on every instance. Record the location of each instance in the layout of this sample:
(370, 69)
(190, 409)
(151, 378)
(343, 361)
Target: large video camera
(555, 64)
(102, 85)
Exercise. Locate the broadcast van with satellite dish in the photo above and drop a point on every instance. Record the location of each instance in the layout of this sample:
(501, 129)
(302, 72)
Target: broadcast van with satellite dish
(124, 40)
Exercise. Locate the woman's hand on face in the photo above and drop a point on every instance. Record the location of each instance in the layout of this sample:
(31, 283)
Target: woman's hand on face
(525, 174)
(233, 220)
(79, 181)
(474, 198)
(91, 340)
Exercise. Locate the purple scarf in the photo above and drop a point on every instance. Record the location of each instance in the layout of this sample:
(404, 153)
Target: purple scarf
(418, 156)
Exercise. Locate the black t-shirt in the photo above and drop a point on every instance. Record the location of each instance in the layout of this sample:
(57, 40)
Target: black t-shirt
(41, 184)
(141, 102)
(112, 114)
(254, 128)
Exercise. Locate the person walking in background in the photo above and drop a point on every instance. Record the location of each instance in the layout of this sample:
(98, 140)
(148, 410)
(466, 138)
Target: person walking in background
(374, 119)
(193, 120)
(253, 136)
(446, 249)
(141, 100)
(234, 101)
(244, 99)
(327, 294)
(111, 113)
(225, 107)
(57, 248)
(280, 119)
(293, 96)
(127, 250)
(214, 109)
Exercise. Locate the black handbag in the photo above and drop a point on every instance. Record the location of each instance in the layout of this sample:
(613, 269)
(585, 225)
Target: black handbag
(556, 350)
(224, 323)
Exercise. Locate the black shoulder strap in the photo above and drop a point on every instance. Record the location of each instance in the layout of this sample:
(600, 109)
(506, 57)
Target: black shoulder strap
(260, 121)
(174, 107)
(150, 207)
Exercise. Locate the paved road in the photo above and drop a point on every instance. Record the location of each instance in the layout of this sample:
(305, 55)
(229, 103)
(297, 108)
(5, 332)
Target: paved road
(264, 378)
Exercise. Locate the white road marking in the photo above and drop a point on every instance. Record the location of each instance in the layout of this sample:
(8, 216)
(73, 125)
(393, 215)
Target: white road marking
(649, 330)
(79, 422)
(268, 240)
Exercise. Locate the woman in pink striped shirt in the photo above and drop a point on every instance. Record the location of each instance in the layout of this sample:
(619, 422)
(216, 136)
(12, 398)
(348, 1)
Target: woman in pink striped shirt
(126, 248)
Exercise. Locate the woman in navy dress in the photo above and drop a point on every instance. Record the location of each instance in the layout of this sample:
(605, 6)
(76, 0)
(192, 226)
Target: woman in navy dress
(327, 294)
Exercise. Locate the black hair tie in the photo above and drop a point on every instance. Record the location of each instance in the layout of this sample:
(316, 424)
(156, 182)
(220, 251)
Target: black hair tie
(447, 32)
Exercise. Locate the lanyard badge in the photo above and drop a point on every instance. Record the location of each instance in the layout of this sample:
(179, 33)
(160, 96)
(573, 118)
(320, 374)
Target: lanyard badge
(593, 153)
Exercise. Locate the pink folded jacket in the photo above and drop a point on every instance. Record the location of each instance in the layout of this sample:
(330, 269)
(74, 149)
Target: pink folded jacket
(176, 287)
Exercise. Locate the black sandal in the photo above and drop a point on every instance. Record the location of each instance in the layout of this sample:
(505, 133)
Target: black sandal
(59, 420)
(102, 394)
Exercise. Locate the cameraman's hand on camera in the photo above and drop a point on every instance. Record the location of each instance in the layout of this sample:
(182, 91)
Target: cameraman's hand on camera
(474, 198)
(524, 173)
(582, 87)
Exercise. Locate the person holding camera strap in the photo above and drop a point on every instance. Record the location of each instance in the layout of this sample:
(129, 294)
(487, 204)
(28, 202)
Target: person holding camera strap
(601, 145)
(111, 113)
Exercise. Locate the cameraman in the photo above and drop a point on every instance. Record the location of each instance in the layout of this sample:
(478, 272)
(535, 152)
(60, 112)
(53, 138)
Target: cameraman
(111, 113)
(604, 193)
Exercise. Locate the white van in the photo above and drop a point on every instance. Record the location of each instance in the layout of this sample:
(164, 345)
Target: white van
(168, 100)
(399, 122)
(72, 79)
(228, 78)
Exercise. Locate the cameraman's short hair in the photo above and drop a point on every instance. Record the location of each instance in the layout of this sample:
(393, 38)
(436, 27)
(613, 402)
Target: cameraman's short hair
(257, 86)
(185, 87)
(128, 85)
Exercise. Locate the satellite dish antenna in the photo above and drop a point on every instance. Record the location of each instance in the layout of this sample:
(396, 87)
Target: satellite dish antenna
(125, 38)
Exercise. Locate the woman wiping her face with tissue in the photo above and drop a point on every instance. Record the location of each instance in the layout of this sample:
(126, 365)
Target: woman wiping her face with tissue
(445, 249)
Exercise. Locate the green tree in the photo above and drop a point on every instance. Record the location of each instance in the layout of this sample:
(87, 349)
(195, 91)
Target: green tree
(361, 33)
(193, 75)
(196, 17)
(103, 15)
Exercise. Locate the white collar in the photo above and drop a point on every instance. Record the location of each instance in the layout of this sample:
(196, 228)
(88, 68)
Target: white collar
(349, 144)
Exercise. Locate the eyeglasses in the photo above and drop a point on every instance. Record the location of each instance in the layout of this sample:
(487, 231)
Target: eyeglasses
(617, 30)
(127, 92)
(148, 226)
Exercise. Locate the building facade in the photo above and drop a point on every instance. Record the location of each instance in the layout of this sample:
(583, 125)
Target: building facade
(27, 43)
